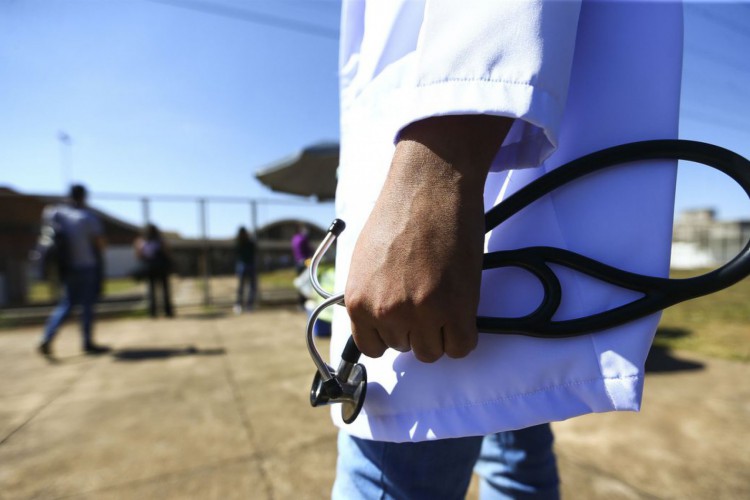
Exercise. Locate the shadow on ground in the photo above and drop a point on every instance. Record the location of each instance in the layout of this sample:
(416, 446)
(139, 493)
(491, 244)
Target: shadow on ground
(148, 353)
(660, 359)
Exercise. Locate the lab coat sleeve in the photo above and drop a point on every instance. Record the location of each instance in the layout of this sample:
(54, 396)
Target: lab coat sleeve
(508, 58)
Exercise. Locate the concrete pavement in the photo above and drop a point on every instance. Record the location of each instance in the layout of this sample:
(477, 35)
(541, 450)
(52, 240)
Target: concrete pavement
(216, 406)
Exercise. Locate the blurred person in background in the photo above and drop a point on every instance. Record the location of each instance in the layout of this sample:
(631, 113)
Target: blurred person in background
(245, 249)
(301, 251)
(81, 246)
(153, 252)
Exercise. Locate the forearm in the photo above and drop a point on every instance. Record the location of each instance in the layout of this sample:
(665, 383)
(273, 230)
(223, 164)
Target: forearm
(465, 143)
(442, 162)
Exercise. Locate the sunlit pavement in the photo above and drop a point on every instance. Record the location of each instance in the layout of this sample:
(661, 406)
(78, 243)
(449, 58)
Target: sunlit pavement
(216, 406)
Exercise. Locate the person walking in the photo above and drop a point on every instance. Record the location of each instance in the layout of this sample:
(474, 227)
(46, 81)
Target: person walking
(81, 239)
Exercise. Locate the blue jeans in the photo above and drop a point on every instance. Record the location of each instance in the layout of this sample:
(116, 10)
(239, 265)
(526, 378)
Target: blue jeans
(80, 288)
(512, 465)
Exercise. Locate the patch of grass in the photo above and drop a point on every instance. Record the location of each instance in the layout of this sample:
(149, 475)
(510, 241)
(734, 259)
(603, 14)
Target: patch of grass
(122, 286)
(716, 325)
(280, 278)
(133, 314)
(42, 292)
(6, 322)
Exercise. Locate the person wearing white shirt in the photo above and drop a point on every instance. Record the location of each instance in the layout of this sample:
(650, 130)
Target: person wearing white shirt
(448, 108)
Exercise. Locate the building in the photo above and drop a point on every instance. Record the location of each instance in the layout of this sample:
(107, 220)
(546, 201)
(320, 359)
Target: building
(700, 240)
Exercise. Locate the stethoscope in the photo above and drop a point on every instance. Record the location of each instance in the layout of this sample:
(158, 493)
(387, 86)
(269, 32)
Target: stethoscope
(348, 383)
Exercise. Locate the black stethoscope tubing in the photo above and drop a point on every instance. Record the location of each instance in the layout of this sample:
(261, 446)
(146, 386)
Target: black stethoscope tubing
(658, 293)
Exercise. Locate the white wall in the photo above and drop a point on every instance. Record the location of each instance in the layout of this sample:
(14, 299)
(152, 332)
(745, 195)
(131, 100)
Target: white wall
(119, 260)
(689, 256)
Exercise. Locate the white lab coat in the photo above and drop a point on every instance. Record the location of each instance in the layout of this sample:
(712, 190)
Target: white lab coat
(578, 77)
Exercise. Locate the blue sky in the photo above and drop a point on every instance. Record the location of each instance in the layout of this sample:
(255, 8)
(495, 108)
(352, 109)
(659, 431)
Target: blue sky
(191, 97)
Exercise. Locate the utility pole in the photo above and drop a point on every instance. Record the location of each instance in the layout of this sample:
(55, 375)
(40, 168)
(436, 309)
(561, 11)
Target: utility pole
(66, 158)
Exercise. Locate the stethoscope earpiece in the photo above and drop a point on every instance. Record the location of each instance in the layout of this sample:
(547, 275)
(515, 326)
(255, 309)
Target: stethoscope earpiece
(348, 390)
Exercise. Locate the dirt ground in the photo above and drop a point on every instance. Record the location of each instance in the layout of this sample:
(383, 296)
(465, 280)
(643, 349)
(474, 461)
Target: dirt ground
(216, 406)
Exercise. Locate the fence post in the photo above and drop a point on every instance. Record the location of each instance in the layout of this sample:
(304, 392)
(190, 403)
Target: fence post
(254, 225)
(254, 216)
(145, 209)
(206, 256)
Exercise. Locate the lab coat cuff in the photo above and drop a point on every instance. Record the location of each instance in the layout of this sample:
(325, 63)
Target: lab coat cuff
(551, 404)
(538, 114)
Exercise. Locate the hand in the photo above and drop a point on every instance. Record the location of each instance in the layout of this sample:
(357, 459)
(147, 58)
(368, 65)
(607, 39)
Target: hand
(416, 269)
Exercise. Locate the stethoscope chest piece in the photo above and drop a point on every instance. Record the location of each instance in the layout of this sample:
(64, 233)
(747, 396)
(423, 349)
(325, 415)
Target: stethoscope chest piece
(353, 390)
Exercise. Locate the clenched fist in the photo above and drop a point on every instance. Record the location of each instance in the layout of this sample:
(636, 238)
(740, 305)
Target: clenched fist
(416, 269)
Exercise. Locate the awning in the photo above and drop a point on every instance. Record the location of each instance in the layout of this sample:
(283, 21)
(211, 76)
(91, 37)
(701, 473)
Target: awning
(310, 172)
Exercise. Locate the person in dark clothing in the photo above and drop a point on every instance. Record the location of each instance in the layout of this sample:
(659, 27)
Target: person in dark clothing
(153, 252)
(245, 249)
